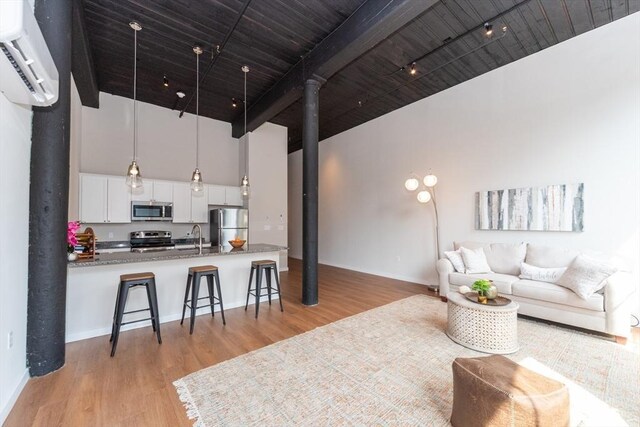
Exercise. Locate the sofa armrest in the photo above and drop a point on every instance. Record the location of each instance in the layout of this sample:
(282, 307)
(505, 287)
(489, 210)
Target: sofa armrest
(444, 268)
(617, 303)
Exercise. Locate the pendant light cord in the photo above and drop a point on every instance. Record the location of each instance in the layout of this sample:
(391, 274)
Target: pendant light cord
(197, 108)
(246, 138)
(135, 90)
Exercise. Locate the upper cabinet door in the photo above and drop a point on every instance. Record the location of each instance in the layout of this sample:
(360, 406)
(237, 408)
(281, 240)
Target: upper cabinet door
(233, 196)
(200, 207)
(93, 198)
(118, 200)
(181, 202)
(216, 194)
(143, 194)
(163, 191)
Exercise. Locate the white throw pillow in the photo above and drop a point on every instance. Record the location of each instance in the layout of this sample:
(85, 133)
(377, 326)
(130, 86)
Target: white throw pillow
(475, 261)
(456, 259)
(541, 274)
(585, 276)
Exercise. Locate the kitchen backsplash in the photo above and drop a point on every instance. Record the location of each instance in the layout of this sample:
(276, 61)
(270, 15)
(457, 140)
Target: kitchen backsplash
(111, 232)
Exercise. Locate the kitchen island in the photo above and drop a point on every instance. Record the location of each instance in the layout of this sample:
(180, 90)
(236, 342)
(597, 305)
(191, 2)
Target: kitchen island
(92, 284)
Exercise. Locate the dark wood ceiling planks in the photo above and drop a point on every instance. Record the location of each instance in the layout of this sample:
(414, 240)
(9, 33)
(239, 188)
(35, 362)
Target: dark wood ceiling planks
(273, 35)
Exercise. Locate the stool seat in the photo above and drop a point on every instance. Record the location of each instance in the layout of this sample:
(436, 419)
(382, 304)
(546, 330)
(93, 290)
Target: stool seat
(202, 269)
(263, 262)
(136, 276)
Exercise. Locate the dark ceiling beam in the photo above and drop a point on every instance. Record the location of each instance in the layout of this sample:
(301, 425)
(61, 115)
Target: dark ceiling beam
(82, 67)
(371, 23)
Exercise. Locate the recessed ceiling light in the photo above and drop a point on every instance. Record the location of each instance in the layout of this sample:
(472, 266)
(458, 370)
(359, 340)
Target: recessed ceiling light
(180, 94)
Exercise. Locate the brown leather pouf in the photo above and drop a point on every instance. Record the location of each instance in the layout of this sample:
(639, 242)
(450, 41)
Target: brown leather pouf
(494, 391)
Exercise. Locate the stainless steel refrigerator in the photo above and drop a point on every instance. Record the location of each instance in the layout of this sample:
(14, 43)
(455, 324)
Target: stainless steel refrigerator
(228, 224)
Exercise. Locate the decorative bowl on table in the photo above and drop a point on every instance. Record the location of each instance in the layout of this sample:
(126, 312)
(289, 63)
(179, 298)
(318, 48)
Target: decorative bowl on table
(237, 243)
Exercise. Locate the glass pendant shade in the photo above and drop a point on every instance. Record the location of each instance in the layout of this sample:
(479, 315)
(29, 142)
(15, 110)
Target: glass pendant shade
(134, 179)
(424, 196)
(196, 181)
(430, 180)
(245, 190)
(411, 184)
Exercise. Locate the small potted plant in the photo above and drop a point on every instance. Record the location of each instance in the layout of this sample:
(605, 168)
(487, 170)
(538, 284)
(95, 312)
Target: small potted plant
(482, 287)
(72, 241)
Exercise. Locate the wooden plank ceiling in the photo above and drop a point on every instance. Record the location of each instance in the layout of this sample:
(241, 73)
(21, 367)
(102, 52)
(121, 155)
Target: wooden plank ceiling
(273, 35)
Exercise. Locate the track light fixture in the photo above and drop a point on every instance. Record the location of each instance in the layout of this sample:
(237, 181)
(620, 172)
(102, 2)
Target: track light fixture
(180, 94)
(165, 81)
(412, 69)
(488, 29)
(234, 103)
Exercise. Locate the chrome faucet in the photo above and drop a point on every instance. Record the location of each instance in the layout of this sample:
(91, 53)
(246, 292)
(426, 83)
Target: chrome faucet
(199, 244)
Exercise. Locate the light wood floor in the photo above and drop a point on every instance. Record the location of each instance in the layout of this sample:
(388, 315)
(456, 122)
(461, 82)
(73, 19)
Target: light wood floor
(135, 388)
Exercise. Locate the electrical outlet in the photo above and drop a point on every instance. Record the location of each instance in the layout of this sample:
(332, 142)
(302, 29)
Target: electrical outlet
(10, 340)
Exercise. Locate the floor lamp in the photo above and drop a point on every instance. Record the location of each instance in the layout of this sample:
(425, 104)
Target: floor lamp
(426, 195)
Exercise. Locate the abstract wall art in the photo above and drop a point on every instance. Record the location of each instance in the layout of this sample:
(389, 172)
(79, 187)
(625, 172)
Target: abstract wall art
(550, 208)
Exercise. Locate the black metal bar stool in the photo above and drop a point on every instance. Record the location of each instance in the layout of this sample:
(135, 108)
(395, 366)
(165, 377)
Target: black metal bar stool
(263, 266)
(193, 282)
(128, 281)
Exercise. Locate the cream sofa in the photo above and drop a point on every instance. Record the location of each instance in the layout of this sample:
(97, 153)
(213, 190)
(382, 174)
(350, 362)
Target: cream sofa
(608, 310)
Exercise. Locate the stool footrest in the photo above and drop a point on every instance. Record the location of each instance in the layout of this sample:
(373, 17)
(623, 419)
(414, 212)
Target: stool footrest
(203, 306)
(136, 321)
(136, 311)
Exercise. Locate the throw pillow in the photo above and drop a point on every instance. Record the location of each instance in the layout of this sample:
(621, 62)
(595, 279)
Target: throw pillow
(456, 259)
(475, 261)
(541, 274)
(585, 276)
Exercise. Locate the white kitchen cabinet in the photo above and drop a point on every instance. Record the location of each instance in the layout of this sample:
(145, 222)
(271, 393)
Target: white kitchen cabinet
(104, 199)
(152, 190)
(233, 196)
(224, 195)
(187, 207)
(216, 194)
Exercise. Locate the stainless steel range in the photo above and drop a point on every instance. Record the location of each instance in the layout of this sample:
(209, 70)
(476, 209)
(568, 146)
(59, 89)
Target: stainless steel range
(150, 241)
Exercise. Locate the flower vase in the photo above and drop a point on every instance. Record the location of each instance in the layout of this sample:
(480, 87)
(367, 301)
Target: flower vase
(72, 256)
(492, 292)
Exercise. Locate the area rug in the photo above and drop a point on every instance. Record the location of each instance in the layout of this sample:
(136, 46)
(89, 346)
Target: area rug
(391, 366)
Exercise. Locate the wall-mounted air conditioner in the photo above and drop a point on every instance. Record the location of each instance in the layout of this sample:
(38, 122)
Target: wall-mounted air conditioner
(28, 74)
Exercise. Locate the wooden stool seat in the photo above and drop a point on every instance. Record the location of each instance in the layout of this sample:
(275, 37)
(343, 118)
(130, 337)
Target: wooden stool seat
(136, 276)
(263, 267)
(263, 262)
(196, 273)
(128, 282)
(202, 269)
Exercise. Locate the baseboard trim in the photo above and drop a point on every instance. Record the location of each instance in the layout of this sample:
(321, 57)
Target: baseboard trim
(378, 273)
(14, 397)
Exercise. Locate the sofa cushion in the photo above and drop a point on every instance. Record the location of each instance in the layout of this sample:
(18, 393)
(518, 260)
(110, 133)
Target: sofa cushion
(585, 276)
(502, 281)
(455, 257)
(549, 256)
(548, 292)
(502, 258)
(541, 274)
(475, 261)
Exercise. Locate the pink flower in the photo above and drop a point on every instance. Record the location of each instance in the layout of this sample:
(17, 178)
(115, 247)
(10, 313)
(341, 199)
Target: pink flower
(72, 227)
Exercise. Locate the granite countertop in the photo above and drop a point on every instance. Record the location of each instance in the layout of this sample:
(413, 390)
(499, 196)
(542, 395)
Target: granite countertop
(128, 257)
(121, 244)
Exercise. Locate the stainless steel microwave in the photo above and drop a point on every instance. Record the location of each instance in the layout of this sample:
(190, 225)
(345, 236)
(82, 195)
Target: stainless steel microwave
(151, 211)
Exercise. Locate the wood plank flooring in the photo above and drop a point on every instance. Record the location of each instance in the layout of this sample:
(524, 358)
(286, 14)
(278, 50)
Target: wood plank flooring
(135, 388)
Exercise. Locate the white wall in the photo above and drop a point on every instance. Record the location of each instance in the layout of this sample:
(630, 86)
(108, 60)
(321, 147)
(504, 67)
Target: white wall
(166, 143)
(268, 178)
(570, 113)
(15, 155)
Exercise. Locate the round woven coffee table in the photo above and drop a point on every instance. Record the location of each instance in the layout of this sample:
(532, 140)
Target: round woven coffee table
(480, 327)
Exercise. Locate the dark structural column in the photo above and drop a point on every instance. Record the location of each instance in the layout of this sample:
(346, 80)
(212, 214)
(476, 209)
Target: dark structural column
(310, 193)
(49, 202)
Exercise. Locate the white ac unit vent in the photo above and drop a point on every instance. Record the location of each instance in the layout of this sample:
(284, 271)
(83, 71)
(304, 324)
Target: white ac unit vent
(28, 74)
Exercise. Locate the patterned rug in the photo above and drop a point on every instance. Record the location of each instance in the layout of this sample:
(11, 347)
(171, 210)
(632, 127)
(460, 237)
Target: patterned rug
(391, 366)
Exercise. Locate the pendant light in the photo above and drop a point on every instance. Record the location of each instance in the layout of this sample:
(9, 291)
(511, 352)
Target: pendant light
(196, 177)
(134, 178)
(244, 185)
